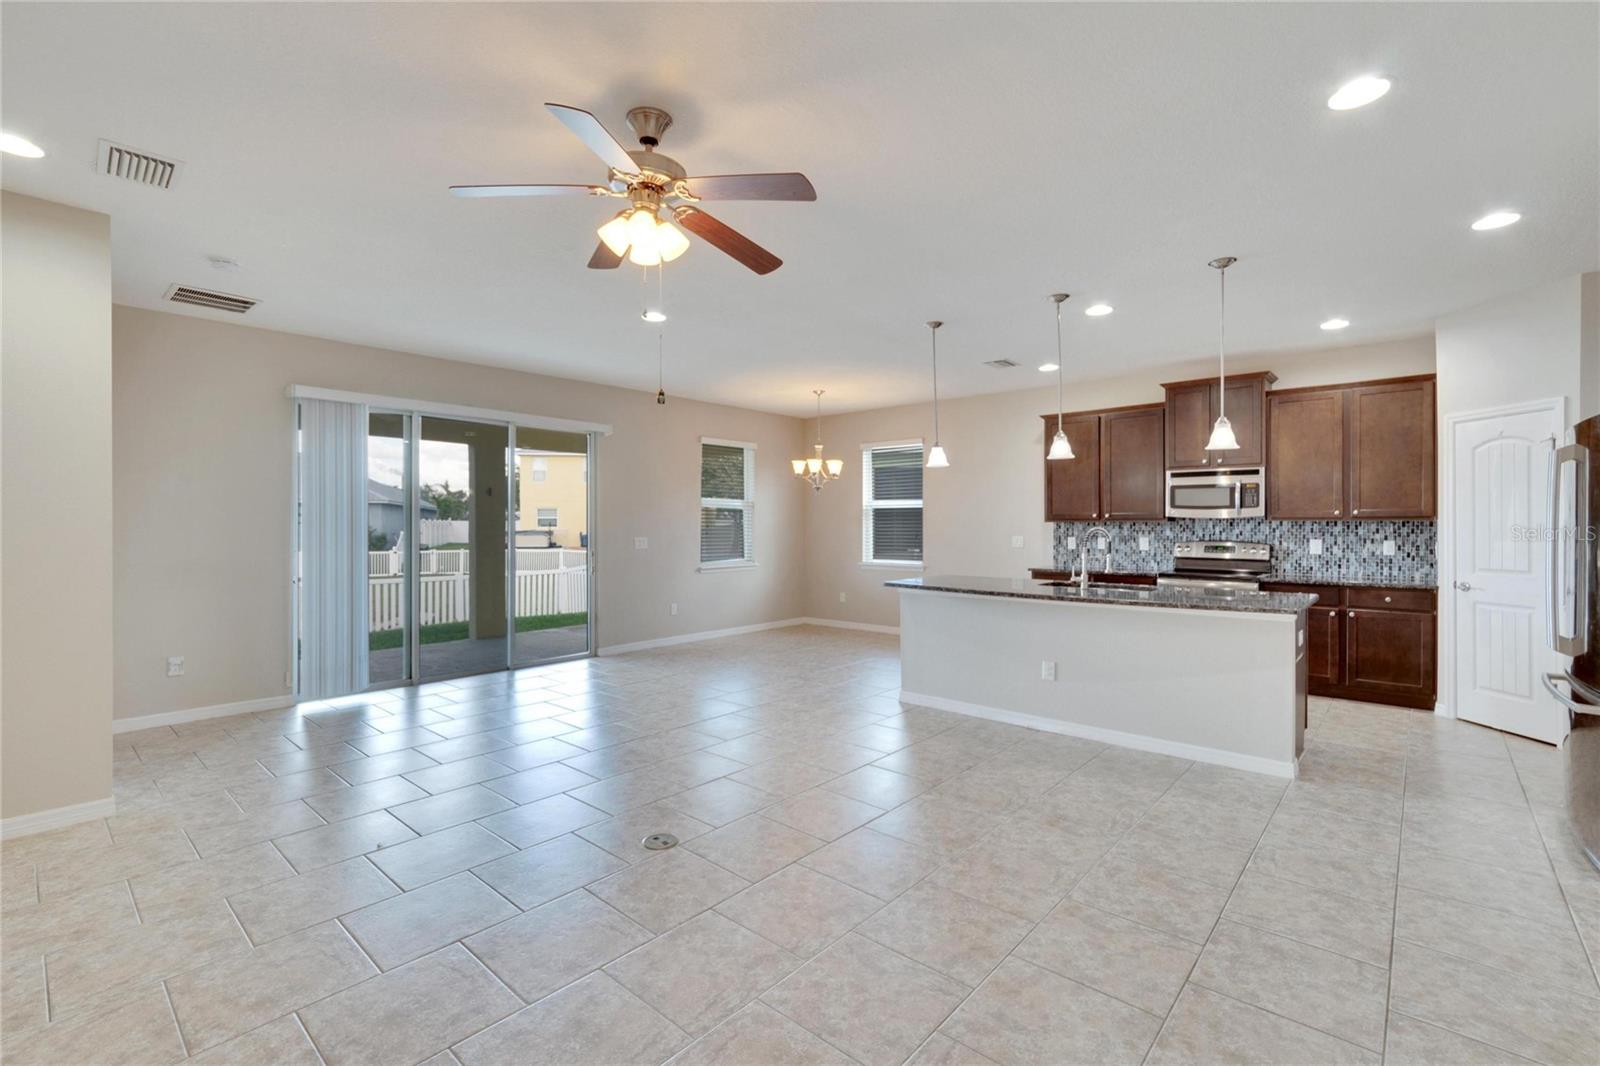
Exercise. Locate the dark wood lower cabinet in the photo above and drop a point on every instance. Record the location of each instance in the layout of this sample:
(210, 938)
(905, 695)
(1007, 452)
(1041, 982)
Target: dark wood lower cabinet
(1377, 645)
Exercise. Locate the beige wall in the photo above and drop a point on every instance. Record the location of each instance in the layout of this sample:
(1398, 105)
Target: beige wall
(994, 488)
(56, 617)
(202, 495)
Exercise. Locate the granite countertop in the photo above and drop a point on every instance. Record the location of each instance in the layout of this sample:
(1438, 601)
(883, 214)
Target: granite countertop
(1124, 595)
(1377, 581)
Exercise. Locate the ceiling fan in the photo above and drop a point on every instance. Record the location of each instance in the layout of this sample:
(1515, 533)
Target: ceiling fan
(651, 181)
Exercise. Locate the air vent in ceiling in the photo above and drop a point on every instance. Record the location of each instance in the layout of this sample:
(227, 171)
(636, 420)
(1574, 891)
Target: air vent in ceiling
(217, 301)
(130, 164)
(1000, 364)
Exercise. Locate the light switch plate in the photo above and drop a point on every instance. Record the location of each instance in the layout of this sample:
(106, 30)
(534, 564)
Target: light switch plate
(1314, 546)
(1017, 541)
(1144, 542)
(641, 543)
(174, 666)
(1388, 547)
(1072, 542)
(1047, 671)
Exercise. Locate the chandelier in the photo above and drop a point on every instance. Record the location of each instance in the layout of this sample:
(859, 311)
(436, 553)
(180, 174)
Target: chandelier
(815, 469)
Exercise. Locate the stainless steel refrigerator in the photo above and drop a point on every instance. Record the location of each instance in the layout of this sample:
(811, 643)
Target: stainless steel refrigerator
(1574, 621)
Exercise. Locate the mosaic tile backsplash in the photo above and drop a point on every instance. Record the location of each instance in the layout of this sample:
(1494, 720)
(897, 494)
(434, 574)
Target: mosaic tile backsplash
(1352, 551)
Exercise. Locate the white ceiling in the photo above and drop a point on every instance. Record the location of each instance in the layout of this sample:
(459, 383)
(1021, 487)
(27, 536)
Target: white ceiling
(968, 159)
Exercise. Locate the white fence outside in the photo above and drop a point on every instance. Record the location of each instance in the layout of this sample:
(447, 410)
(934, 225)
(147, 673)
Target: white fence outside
(447, 597)
(444, 531)
(457, 561)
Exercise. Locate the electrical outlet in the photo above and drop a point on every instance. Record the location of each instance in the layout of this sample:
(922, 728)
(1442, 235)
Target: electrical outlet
(641, 543)
(174, 666)
(841, 597)
(1017, 541)
(1314, 546)
(674, 608)
(1388, 547)
(1047, 671)
(1072, 542)
(1144, 542)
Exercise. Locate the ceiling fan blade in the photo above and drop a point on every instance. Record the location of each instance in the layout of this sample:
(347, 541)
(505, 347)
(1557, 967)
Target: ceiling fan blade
(595, 136)
(728, 239)
(752, 187)
(604, 258)
(526, 190)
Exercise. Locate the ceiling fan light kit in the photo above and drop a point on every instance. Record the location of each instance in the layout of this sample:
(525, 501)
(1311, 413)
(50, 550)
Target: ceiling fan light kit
(651, 181)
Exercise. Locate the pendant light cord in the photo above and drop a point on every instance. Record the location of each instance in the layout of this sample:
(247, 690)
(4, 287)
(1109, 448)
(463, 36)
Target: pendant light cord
(819, 418)
(1061, 405)
(1222, 346)
(933, 335)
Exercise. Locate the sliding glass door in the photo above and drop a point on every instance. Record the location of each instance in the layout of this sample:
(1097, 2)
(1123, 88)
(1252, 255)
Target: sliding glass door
(462, 523)
(552, 495)
(429, 547)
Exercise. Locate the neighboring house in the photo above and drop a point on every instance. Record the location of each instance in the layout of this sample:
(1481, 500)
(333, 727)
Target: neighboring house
(553, 499)
(386, 511)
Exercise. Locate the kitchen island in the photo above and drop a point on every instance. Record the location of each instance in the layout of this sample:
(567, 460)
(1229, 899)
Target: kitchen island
(1215, 677)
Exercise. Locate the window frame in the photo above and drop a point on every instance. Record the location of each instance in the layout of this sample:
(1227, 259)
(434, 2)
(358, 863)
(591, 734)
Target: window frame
(747, 505)
(869, 506)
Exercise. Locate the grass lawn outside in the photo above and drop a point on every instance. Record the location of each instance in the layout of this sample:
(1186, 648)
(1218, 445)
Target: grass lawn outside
(444, 632)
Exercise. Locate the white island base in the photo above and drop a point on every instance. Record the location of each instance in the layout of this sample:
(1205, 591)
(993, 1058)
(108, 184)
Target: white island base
(1216, 686)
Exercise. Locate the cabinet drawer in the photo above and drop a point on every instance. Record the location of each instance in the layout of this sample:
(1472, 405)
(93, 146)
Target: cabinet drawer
(1390, 599)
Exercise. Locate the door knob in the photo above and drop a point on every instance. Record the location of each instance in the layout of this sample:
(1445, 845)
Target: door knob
(1464, 586)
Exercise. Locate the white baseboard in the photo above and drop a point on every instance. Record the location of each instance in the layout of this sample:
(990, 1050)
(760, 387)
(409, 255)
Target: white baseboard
(1216, 756)
(1443, 711)
(199, 714)
(704, 634)
(57, 818)
(864, 626)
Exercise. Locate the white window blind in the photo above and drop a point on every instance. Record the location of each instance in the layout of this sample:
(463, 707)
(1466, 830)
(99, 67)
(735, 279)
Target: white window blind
(333, 548)
(547, 518)
(727, 501)
(891, 503)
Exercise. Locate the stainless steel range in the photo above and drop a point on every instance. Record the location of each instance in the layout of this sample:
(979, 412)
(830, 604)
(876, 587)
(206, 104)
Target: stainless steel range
(1225, 565)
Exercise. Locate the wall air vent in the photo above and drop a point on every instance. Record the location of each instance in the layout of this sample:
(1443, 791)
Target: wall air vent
(1000, 364)
(130, 164)
(217, 301)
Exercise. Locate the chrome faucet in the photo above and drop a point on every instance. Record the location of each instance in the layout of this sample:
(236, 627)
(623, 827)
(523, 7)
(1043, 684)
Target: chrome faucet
(1083, 554)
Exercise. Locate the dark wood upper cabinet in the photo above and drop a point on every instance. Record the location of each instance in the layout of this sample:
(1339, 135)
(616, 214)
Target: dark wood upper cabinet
(1305, 439)
(1192, 408)
(1132, 481)
(1392, 454)
(1116, 471)
(1072, 486)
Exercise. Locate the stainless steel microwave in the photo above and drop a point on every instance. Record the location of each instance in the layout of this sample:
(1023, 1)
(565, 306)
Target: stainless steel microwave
(1239, 492)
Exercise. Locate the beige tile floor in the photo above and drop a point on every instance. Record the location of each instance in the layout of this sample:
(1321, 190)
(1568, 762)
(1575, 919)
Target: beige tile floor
(452, 874)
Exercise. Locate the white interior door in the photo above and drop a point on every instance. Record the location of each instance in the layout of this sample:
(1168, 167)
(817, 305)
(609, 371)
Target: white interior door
(1501, 505)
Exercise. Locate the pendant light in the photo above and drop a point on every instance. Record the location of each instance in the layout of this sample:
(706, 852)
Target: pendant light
(1222, 438)
(1060, 446)
(661, 369)
(937, 459)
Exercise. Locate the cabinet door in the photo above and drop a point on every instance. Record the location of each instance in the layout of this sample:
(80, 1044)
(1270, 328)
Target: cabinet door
(1324, 646)
(1390, 652)
(1072, 486)
(1305, 455)
(1392, 449)
(1188, 425)
(1246, 411)
(1132, 479)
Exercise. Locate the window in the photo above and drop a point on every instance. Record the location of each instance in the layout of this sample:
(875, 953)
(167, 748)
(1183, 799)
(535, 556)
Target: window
(891, 503)
(541, 469)
(546, 518)
(727, 502)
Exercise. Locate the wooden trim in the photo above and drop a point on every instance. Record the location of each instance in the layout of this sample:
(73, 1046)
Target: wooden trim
(1254, 375)
(1050, 418)
(1332, 385)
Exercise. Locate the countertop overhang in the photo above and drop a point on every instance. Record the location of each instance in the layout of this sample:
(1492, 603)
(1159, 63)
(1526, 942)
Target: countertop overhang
(1118, 595)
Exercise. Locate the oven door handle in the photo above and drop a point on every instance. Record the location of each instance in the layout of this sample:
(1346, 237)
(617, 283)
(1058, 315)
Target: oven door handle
(1550, 683)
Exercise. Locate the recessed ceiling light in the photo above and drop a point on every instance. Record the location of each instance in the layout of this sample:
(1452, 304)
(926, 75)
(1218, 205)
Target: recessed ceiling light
(1048, 368)
(1496, 220)
(1358, 92)
(654, 316)
(1096, 310)
(11, 143)
(1335, 323)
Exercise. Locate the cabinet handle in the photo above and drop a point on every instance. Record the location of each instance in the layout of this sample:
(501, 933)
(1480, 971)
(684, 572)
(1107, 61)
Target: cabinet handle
(1356, 511)
(1388, 599)
(1336, 510)
(1349, 614)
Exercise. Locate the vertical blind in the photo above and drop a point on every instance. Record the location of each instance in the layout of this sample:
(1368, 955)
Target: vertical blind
(891, 529)
(727, 503)
(333, 548)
